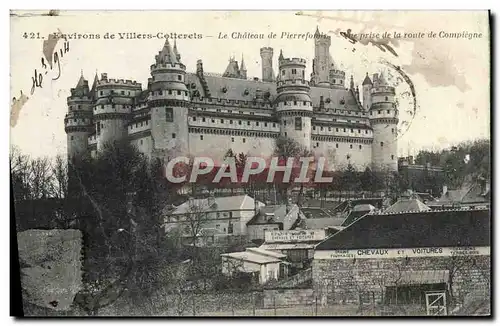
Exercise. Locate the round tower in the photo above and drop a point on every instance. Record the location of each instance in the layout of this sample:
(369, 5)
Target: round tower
(337, 78)
(322, 59)
(384, 121)
(113, 108)
(293, 103)
(266, 54)
(168, 101)
(78, 120)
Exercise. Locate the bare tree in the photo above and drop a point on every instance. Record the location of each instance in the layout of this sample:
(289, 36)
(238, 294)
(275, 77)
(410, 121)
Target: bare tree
(60, 177)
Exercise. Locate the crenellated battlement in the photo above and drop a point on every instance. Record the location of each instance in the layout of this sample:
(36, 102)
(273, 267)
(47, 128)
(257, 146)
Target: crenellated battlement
(383, 89)
(286, 82)
(232, 103)
(292, 61)
(119, 82)
(173, 66)
(266, 49)
(337, 72)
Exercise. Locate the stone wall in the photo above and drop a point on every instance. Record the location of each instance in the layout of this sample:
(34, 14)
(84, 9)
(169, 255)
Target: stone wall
(349, 280)
(288, 297)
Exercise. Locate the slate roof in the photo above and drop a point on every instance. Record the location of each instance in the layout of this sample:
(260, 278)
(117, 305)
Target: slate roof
(246, 90)
(449, 228)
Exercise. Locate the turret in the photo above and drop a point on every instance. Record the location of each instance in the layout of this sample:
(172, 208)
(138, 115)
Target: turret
(293, 103)
(78, 120)
(169, 99)
(367, 98)
(384, 121)
(266, 54)
(113, 108)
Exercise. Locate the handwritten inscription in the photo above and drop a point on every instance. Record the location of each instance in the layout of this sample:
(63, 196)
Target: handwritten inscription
(51, 59)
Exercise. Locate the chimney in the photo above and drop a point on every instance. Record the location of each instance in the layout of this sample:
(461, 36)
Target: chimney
(321, 102)
(199, 67)
(104, 76)
(211, 200)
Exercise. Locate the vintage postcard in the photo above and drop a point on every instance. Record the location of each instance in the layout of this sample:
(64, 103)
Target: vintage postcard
(251, 163)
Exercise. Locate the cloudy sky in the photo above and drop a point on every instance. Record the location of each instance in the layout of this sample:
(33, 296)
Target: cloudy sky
(451, 76)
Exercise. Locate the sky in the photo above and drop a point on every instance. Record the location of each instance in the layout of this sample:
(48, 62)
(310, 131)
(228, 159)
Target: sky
(451, 76)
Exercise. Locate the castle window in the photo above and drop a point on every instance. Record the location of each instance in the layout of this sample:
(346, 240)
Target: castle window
(169, 114)
(366, 131)
(381, 144)
(232, 139)
(160, 92)
(112, 106)
(213, 121)
(123, 92)
(274, 125)
(141, 124)
(179, 77)
(360, 146)
(314, 127)
(79, 106)
(294, 102)
(178, 92)
(336, 145)
(72, 137)
(128, 93)
(239, 122)
(305, 103)
(283, 72)
(169, 92)
(284, 122)
(141, 141)
(388, 111)
(359, 130)
(257, 123)
(244, 140)
(334, 81)
(252, 113)
(230, 121)
(218, 110)
(203, 119)
(265, 124)
(392, 130)
(294, 71)
(201, 137)
(321, 128)
(221, 120)
(229, 111)
(379, 112)
(100, 93)
(387, 98)
(350, 146)
(344, 129)
(298, 123)
(285, 133)
(194, 118)
(392, 157)
(337, 129)
(317, 144)
(329, 128)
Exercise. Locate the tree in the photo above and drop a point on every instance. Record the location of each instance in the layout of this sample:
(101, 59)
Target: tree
(121, 240)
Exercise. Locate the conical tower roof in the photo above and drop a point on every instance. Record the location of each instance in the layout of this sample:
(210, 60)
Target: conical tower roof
(367, 80)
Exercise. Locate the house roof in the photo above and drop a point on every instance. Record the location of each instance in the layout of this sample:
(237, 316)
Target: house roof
(449, 228)
(407, 205)
(228, 203)
(251, 257)
(264, 252)
(322, 223)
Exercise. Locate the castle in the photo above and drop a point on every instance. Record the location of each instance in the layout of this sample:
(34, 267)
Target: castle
(207, 114)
